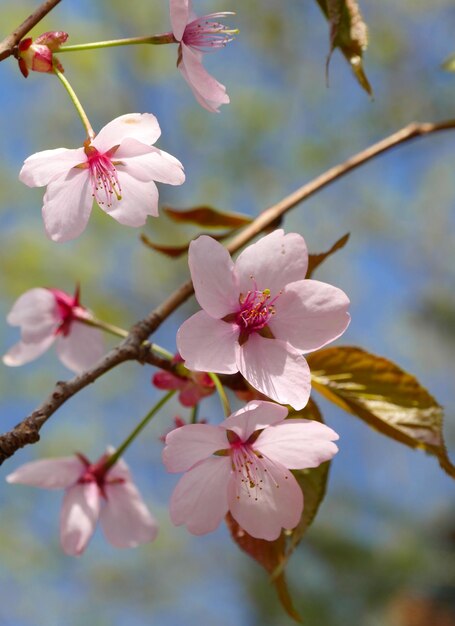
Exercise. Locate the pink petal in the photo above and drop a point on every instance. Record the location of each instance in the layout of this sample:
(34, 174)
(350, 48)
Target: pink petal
(22, 353)
(120, 471)
(208, 345)
(272, 262)
(139, 200)
(166, 380)
(207, 90)
(192, 393)
(200, 498)
(146, 163)
(67, 205)
(125, 518)
(254, 416)
(81, 348)
(298, 443)
(187, 445)
(48, 473)
(310, 314)
(40, 168)
(212, 272)
(179, 16)
(263, 511)
(276, 369)
(141, 126)
(80, 511)
(37, 313)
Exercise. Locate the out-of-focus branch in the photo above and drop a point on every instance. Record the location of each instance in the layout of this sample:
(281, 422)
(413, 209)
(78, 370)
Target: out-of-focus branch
(9, 43)
(133, 347)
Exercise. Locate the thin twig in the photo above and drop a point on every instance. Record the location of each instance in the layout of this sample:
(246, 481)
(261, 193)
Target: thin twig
(8, 45)
(133, 348)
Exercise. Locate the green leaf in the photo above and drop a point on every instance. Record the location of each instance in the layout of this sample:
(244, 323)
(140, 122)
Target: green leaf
(383, 395)
(449, 64)
(208, 217)
(314, 260)
(349, 33)
(176, 251)
(269, 554)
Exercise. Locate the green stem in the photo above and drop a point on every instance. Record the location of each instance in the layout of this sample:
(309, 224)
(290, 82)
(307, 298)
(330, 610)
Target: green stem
(194, 413)
(121, 332)
(155, 40)
(121, 449)
(76, 102)
(109, 328)
(223, 397)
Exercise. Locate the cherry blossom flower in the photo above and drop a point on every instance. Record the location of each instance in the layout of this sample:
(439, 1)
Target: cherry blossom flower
(197, 35)
(242, 466)
(178, 423)
(192, 388)
(37, 54)
(46, 316)
(117, 169)
(92, 493)
(259, 315)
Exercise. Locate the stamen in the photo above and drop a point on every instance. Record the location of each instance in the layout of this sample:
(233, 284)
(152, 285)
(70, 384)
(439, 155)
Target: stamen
(103, 177)
(204, 34)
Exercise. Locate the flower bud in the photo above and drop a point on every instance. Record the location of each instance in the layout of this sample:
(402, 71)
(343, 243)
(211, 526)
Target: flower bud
(37, 55)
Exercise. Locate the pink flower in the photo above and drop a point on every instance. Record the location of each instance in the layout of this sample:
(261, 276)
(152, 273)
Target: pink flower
(197, 35)
(178, 423)
(92, 492)
(259, 315)
(193, 388)
(36, 55)
(242, 466)
(46, 316)
(117, 169)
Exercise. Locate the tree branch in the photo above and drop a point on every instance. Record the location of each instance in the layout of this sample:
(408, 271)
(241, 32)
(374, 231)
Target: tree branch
(133, 347)
(8, 45)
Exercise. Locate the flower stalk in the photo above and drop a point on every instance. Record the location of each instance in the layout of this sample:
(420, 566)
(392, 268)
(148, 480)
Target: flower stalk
(222, 393)
(112, 460)
(155, 40)
(75, 100)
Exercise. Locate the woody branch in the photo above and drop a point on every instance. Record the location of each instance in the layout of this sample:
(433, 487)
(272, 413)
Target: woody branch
(133, 347)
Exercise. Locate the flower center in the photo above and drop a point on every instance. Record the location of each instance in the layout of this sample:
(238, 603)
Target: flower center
(103, 176)
(96, 473)
(204, 34)
(66, 305)
(256, 309)
(250, 472)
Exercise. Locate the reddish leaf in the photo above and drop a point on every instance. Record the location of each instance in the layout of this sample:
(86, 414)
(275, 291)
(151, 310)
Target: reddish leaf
(269, 554)
(314, 260)
(176, 251)
(208, 217)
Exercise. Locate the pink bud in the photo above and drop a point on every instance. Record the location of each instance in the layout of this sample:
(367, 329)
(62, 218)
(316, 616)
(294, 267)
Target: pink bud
(37, 55)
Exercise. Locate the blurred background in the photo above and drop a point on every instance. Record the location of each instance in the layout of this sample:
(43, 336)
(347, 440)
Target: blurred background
(381, 552)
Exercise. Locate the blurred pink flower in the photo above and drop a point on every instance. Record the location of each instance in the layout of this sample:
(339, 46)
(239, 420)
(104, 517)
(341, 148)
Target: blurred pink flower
(259, 315)
(46, 316)
(36, 54)
(196, 36)
(193, 388)
(117, 169)
(242, 466)
(92, 493)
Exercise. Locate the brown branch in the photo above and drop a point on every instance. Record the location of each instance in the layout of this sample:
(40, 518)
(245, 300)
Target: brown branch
(133, 348)
(8, 45)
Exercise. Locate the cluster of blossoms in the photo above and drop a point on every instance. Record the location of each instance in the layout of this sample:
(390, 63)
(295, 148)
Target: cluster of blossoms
(259, 316)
